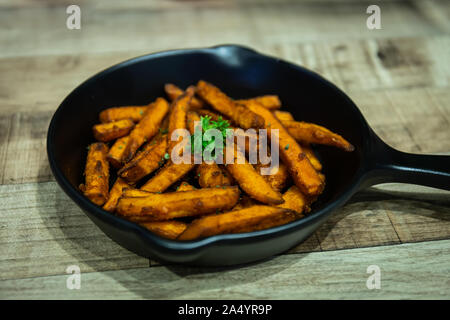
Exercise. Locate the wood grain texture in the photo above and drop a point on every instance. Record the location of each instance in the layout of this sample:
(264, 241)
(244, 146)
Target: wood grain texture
(42, 232)
(320, 275)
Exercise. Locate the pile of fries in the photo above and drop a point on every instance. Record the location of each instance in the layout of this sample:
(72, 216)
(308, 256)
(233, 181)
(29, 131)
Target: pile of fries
(187, 201)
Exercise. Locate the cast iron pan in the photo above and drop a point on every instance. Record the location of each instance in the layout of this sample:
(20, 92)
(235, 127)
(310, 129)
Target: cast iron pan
(241, 73)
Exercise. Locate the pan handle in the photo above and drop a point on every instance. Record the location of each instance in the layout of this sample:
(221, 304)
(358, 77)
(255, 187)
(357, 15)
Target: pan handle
(390, 165)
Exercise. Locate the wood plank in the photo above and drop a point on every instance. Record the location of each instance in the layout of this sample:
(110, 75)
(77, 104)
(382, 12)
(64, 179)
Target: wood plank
(40, 29)
(387, 214)
(320, 275)
(42, 82)
(42, 232)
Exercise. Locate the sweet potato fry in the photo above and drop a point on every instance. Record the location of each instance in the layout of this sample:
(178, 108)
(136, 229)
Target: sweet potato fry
(268, 101)
(173, 92)
(303, 173)
(239, 114)
(305, 132)
(146, 161)
(114, 194)
(283, 115)
(177, 120)
(211, 175)
(251, 181)
(135, 193)
(166, 229)
(185, 186)
(312, 157)
(245, 202)
(112, 130)
(166, 176)
(245, 220)
(295, 200)
(117, 152)
(146, 129)
(96, 173)
(277, 180)
(135, 113)
(165, 206)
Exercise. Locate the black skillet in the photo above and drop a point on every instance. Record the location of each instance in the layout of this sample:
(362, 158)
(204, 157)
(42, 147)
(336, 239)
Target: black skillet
(241, 73)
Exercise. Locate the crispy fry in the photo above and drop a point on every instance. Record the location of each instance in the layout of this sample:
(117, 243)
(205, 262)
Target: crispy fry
(158, 207)
(185, 186)
(135, 193)
(146, 129)
(211, 175)
(114, 194)
(117, 152)
(312, 157)
(268, 101)
(278, 179)
(295, 200)
(214, 116)
(96, 186)
(283, 115)
(135, 113)
(173, 92)
(192, 116)
(166, 229)
(305, 132)
(166, 176)
(245, 202)
(251, 181)
(240, 115)
(112, 130)
(303, 173)
(245, 220)
(146, 161)
(177, 120)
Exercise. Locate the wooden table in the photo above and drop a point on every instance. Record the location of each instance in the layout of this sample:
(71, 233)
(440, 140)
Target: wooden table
(399, 76)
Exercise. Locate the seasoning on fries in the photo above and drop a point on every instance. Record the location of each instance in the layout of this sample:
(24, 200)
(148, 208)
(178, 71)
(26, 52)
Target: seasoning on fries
(190, 200)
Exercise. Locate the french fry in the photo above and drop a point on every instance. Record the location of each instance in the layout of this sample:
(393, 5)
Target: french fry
(295, 200)
(303, 173)
(117, 152)
(214, 116)
(146, 129)
(177, 120)
(96, 173)
(166, 176)
(239, 114)
(112, 130)
(135, 193)
(268, 101)
(251, 181)
(312, 157)
(305, 132)
(166, 206)
(185, 186)
(135, 113)
(245, 220)
(245, 202)
(283, 115)
(114, 194)
(166, 229)
(173, 92)
(145, 162)
(211, 175)
(278, 179)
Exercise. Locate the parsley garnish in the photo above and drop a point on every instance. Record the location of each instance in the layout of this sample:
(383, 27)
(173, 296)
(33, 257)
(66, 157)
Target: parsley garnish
(221, 125)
